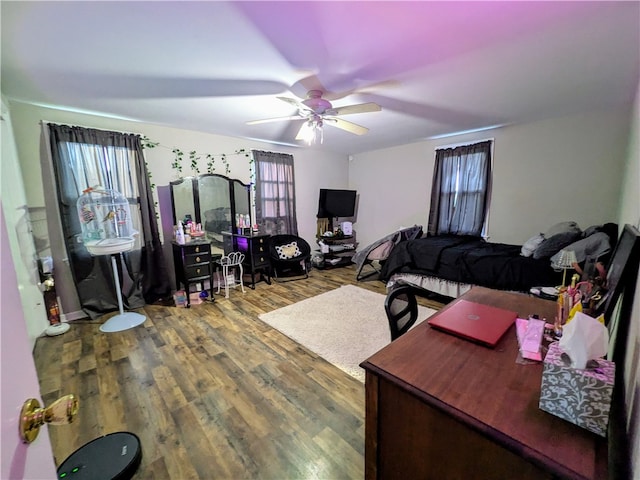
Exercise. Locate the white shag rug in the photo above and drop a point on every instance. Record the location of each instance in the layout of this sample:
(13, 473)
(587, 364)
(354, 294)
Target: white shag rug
(344, 326)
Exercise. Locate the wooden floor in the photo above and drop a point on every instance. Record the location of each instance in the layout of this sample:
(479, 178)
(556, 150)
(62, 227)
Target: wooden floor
(212, 391)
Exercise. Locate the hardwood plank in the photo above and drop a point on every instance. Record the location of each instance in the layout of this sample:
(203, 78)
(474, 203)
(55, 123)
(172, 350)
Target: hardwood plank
(212, 391)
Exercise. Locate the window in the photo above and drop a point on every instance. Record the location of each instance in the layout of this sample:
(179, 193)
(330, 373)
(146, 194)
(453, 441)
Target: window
(82, 158)
(461, 188)
(275, 193)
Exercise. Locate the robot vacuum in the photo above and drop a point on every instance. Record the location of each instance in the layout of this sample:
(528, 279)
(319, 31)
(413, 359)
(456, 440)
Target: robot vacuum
(113, 456)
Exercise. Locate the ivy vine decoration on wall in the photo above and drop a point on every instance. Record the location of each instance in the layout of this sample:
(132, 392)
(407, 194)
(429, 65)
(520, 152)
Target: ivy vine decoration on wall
(195, 158)
(146, 143)
(177, 160)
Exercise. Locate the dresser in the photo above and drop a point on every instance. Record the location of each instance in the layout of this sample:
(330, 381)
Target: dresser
(441, 407)
(255, 247)
(193, 264)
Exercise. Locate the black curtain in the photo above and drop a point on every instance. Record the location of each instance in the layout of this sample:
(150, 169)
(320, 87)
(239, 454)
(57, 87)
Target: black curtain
(461, 190)
(82, 158)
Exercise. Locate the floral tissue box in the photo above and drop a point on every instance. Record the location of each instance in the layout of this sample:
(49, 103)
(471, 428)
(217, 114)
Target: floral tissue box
(582, 397)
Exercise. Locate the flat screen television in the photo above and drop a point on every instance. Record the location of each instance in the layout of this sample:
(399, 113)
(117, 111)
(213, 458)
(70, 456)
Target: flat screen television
(336, 203)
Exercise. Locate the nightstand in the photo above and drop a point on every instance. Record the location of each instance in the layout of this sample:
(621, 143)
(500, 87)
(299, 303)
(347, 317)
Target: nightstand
(256, 254)
(193, 264)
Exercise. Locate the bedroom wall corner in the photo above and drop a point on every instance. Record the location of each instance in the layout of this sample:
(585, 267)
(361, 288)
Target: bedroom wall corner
(394, 185)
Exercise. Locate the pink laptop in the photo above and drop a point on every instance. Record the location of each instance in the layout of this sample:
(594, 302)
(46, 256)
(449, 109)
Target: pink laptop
(474, 321)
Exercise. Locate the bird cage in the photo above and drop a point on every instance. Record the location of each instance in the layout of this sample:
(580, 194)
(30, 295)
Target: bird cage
(106, 223)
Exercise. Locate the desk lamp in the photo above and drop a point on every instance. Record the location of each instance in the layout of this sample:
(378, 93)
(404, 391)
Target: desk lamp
(566, 261)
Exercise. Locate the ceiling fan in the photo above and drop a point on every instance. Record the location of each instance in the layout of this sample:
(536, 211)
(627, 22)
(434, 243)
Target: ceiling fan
(317, 112)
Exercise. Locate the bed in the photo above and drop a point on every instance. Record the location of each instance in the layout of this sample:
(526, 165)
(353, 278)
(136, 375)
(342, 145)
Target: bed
(451, 264)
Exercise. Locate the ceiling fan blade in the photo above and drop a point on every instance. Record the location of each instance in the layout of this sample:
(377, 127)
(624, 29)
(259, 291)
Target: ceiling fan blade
(359, 108)
(347, 126)
(276, 119)
(296, 103)
(292, 101)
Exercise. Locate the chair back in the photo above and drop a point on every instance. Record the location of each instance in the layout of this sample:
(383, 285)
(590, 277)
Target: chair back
(287, 239)
(232, 259)
(401, 308)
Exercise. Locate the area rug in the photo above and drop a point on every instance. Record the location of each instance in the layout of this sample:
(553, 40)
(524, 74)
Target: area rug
(344, 326)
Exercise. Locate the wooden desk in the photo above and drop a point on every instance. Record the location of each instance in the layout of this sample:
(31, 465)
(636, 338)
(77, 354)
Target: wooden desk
(440, 407)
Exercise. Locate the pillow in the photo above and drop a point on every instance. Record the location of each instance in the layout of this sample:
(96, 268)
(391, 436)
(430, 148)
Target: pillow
(591, 230)
(562, 227)
(288, 251)
(552, 245)
(530, 245)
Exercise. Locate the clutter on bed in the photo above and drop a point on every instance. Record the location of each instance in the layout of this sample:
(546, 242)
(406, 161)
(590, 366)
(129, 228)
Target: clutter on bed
(470, 260)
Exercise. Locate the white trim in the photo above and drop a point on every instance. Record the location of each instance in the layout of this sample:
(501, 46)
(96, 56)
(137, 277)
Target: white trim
(467, 132)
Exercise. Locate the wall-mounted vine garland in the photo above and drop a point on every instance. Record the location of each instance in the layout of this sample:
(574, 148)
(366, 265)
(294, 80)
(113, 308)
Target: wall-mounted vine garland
(195, 157)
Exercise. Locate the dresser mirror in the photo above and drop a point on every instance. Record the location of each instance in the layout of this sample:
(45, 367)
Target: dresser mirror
(182, 199)
(241, 197)
(215, 201)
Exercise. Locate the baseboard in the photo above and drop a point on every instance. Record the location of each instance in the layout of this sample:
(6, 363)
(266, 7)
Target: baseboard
(69, 317)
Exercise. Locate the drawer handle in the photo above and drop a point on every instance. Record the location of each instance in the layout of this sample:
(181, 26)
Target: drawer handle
(262, 259)
(197, 249)
(197, 259)
(261, 249)
(197, 270)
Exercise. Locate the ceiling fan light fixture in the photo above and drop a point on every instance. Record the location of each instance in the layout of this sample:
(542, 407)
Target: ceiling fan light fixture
(314, 110)
(311, 131)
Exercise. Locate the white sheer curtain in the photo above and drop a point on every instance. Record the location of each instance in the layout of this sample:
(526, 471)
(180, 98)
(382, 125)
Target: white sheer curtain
(109, 167)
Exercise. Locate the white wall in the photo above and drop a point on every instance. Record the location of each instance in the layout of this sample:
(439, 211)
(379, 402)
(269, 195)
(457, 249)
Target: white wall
(20, 242)
(314, 169)
(393, 187)
(630, 213)
(560, 169)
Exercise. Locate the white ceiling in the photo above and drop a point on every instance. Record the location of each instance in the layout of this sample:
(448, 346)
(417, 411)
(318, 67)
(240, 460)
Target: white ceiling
(436, 68)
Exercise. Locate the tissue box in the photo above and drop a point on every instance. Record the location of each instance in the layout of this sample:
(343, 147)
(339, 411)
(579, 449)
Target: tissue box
(582, 397)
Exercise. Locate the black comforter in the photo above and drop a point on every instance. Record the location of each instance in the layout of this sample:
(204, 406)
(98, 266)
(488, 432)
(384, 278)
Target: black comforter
(470, 260)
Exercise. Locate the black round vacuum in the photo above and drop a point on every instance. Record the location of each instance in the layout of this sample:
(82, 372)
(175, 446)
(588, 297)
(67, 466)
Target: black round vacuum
(114, 456)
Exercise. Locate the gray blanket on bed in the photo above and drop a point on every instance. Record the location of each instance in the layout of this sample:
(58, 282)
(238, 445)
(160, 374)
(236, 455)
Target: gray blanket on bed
(361, 256)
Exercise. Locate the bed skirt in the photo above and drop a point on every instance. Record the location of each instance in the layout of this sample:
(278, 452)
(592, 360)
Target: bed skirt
(433, 284)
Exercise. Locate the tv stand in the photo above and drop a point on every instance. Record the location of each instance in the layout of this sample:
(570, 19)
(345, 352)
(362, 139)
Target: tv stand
(341, 250)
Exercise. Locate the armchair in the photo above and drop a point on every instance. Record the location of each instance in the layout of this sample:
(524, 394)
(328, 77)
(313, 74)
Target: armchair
(289, 257)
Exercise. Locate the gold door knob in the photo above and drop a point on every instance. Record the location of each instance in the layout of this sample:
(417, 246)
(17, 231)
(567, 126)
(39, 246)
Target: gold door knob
(32, 417)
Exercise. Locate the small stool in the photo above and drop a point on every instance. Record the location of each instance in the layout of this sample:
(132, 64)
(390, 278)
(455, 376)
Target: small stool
(230, 263)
